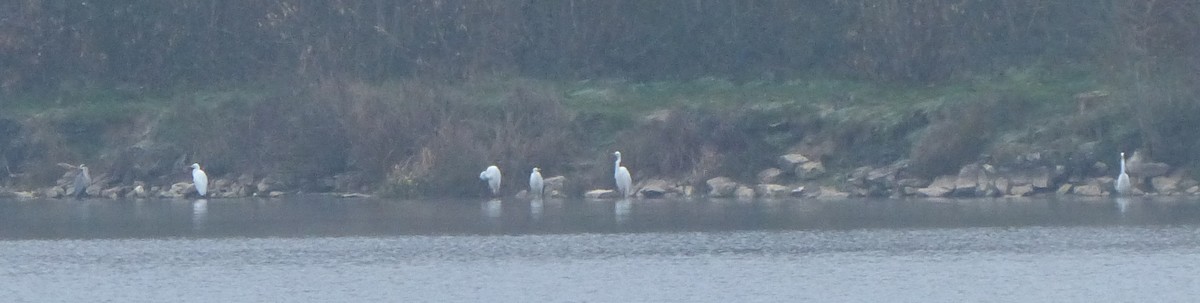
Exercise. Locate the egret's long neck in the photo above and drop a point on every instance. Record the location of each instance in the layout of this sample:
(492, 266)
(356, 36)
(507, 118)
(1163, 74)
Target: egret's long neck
(617, 164)
(1122, 164)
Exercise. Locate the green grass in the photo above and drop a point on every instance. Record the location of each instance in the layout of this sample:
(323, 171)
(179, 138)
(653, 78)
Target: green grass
(882, 118)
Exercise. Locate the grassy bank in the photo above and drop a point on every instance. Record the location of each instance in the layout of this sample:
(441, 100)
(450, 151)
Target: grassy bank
(412, 138)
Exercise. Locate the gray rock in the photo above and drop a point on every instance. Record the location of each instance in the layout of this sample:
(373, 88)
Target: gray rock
(933, 192)
(1064, 189)
(883, 174)
(658, 188)
(139, 190)
(1187, 182)
(770, 175)
(1166, 184)
(1001, 185)
(967, 183)
(789, 162)
(1141, 166)
(275, 194)
(1090, 189)
(245, 179)
(95, 190)
(827, 192)
(721, 187)
(178, 190)
(941, 187)
(772, 190)
(266, 185)
(1151, 170)
(219, 184)
(799, 191)
(54, 192)
(596, 194)
(914, 182)
(810, 170)
(553, 186)
(743, 192)
(114, 192)
(1021, 190)
(1039, 177)
(986, 182)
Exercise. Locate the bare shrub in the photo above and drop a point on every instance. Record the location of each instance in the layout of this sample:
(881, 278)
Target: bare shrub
(671, 146)
(432, 140)
(694, 144)
(957, 138)
(1167, 116)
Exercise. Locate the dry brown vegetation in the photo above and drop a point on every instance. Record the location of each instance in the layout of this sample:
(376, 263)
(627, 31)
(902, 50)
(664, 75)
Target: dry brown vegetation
(395, 96)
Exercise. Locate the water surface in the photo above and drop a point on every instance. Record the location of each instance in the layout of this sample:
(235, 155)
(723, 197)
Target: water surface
(323, 249)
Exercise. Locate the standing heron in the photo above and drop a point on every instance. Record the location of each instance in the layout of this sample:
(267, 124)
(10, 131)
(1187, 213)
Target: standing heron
(1123, 186)
(200, 179)
(82, 180)
(492, 176)
(621, 174)
(536, 185)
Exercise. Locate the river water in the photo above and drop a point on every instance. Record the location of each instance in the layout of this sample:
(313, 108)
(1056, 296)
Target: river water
(320, 249)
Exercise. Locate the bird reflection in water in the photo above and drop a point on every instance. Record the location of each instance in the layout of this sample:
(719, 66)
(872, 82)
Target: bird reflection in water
(492, 208)
(622, 209)
(535, 209)
(199, 214)
(1122, 204)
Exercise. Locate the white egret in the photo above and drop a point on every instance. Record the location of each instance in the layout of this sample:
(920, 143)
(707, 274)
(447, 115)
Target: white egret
(1123, 186)
(536, 185)
(621, 174)
(82, 180)
(200, 179)
(492, 176)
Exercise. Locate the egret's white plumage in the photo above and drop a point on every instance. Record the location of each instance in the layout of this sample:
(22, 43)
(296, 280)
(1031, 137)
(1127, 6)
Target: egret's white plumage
(200, 179)
(621, 174)
(1123, 186)
(82, 180)
(492, 176)
(536, 185)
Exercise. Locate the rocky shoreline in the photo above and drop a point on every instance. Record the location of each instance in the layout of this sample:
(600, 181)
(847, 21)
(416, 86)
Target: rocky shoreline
(795, 176)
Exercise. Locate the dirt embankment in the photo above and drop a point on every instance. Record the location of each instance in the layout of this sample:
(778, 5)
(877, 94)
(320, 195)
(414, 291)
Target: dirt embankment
(414, 139)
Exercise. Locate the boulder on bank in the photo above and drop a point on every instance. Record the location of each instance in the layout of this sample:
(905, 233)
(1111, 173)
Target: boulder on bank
(659, 188)
(772, 190)
(1139, 165)
(597, 194)
(797, 192)
(115, 192)
(1091, 189)
(743, 192)
(770, 175)
(553, 186)
(1021, 190)
(940, 187)
(721, 187)
(829, 192)
(1039, 178)
(54, 192)
(789, 162)
(139, 190)
(810, 170)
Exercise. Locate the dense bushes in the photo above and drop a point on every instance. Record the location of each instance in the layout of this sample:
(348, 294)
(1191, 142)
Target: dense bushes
(156, 45)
